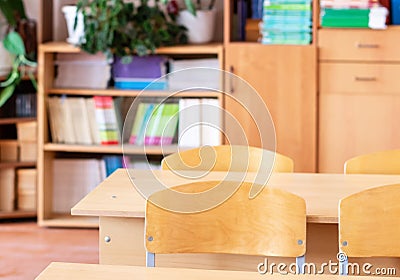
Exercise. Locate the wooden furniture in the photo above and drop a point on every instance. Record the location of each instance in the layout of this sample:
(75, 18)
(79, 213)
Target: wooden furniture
(285, 78)
(66, 271)
(358, 94)
(122, 209)
(49, 150)
(369, 224)
(228, 158)
(383, 162)
(271, 224)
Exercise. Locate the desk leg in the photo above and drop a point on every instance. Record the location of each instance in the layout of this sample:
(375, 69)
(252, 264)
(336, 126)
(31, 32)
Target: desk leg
(121, 241)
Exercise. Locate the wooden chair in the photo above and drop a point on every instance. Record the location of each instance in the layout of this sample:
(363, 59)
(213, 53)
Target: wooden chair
(271, 224)
(384, 162)
(369, 223)
(227, 158)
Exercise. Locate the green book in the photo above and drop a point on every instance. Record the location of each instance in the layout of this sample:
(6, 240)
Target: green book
(169, 123)
(154, 125)
(347, 13)
(141, 111)
(288, 7)
(354, 22)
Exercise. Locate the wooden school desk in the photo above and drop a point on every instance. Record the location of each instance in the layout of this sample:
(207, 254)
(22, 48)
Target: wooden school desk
(76, 271)
(120, 209)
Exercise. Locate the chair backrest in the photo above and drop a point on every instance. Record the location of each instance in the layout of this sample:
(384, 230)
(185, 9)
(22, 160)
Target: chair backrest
(384, 162)
(271, 224)
(369, 223)
(227, 158)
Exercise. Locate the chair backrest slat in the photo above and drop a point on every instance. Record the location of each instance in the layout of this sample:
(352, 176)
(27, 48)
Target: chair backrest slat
(271, 224)
(369, 223)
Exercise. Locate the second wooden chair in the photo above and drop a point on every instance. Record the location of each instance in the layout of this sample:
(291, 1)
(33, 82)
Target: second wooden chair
(228, 158)
(369, 224)
(383, 162)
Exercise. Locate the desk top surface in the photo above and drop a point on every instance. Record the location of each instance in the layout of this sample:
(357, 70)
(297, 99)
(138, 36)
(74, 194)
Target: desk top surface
(117, 195)
(61, 271)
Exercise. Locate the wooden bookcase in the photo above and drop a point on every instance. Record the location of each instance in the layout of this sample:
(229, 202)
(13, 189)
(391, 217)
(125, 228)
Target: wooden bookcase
(49, 151)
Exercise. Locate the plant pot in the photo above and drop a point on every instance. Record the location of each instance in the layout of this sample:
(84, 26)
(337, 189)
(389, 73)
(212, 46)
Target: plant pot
(200, 27)
(143, 72)
(75, 36)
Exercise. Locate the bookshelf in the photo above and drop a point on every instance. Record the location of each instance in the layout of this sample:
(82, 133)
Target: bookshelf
(11, 161)
(50, 151)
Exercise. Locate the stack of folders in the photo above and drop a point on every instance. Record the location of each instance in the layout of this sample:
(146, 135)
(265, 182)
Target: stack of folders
(78, 120)
(154, 124)
(287, 22)
(353, 14)
(199, 122)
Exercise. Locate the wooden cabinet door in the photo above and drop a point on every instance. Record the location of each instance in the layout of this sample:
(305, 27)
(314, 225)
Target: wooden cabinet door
(285, 78)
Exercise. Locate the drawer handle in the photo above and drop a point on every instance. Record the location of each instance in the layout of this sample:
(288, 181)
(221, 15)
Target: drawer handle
(365, 79)
(367, 46)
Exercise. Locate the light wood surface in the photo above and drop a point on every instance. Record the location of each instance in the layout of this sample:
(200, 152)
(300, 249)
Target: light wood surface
(359, 44)
(355, 124)
(228, 158)
(15, 120)
(383, 162)
(285, 79)
(369, 224)
(271, 224)
(67, 271)
(117, 197)
(358, 78)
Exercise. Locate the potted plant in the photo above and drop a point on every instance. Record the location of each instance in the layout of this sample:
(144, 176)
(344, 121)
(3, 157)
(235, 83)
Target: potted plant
(123, 30)
(198, 16)
(21, 50)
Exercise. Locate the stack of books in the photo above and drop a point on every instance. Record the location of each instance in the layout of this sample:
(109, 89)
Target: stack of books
(141, 73)
(79, 120)
(353, 14)
(155, 124)
(287, 22)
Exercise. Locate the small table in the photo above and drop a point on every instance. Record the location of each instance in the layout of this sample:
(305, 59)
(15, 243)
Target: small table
(120, 209)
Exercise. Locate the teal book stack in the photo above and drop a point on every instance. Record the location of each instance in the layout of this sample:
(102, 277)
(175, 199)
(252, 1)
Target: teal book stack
(287, 22)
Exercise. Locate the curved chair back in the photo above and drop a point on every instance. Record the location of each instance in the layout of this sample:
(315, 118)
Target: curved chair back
(271, 224)
(227, 158)
(369, 223)
(384, 162)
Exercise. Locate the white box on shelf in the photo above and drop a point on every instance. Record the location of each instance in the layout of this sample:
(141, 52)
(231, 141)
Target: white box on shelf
(82, 71)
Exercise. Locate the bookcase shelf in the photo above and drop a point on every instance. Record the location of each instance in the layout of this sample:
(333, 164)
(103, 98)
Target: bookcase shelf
(15, 120)
(6, 164)
(17, 214)
(49, 152)
(133, 93)
(111, 149)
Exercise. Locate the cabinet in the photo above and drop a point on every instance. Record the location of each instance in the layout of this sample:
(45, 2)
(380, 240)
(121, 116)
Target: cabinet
(49, 151)
(359, 94)
(285, 76)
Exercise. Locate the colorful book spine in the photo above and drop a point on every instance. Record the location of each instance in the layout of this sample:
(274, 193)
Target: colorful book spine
(107, 120)
(139, 117)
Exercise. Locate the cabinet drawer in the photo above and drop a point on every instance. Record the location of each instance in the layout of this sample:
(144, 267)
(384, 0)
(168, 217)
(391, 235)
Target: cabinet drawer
(359, 45)
(359, 78)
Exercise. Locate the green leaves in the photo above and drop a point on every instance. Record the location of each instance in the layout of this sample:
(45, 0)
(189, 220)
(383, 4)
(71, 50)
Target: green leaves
(13, 43)
(123, 29)
(6, 93)
(190, 6)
